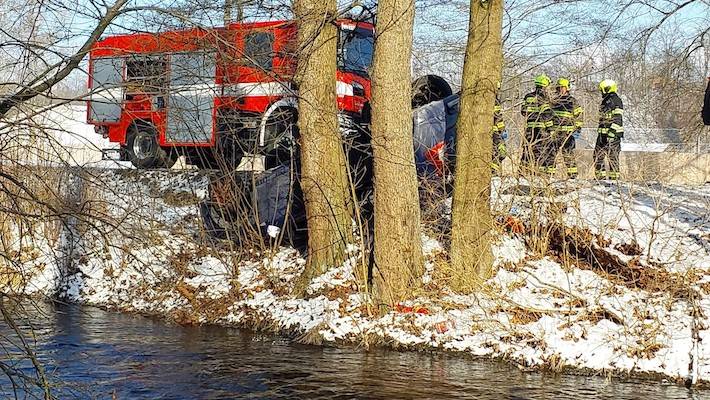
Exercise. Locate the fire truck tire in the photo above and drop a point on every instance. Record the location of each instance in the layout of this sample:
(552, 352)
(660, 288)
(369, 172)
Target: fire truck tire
(429, 88)
(143, 149)
(123, 154)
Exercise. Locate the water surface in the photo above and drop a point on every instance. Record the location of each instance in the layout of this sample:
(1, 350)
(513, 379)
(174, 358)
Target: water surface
(93, 354)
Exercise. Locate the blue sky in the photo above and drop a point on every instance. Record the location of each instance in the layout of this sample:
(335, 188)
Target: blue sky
(570, 24)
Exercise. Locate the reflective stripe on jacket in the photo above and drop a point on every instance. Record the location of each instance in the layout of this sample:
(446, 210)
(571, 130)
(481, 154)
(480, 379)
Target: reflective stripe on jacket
(567, 114)
(611, 116)
(537, 110)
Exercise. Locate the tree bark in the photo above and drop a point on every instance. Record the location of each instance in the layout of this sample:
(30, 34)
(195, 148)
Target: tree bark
(324, 177)
(227, 12)
(398, 251)
(472, 223)
(229, 5)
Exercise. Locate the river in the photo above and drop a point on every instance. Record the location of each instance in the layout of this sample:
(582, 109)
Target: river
(89, 353)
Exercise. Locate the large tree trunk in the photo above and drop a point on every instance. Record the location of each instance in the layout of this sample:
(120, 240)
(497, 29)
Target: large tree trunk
(323, 171)
(398, 251)
(472, 224)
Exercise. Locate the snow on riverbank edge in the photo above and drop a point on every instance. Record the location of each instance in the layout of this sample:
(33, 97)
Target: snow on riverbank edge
(536, 311)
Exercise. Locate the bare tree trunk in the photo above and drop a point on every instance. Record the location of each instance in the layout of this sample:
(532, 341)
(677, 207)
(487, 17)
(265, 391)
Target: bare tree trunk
(229, 5)
(227, 12)
(240, 10)
(323, 171)
(472, 224)
(398, 250)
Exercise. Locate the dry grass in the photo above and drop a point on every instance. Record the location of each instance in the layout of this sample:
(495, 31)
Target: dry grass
(520, 315)
(582, 248)
(31, 209)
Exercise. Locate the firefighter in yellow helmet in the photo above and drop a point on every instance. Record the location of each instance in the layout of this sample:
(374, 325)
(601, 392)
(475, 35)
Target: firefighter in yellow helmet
(538, 120)
(609, 133)
(500, 151)
(567, 123)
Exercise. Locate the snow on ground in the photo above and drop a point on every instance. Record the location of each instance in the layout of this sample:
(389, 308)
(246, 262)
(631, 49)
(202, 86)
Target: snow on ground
(671, 224)
(59, 136)
(644, 147)
(537, 311)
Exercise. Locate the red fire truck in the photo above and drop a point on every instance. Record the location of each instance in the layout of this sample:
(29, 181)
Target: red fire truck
(214, 94)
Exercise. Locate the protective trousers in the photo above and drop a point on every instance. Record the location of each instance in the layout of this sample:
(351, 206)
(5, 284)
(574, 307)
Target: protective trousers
(499, 153)
(532, 148)
(567, 148)
(545, 152)
(607, 149)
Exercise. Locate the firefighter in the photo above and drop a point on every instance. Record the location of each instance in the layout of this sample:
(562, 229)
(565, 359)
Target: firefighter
(567, 123)
(609, 133)
(538, 114)
(500, 152)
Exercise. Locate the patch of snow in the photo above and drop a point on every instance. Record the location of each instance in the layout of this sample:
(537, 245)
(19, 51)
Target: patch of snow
(644, 147)
(509, 250)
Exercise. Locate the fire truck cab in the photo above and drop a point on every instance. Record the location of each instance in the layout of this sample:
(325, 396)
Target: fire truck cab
(222, 97)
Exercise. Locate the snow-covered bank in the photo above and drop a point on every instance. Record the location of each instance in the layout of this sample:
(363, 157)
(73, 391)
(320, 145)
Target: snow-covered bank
(55, 135)
(540, 311)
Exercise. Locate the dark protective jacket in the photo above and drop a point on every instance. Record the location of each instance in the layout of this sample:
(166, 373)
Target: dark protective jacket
(537, 110)
(611, 116)
(566, 114)
(498, 124)
(706, 105)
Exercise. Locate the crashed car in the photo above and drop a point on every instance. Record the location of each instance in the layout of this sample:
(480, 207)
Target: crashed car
(253, 205)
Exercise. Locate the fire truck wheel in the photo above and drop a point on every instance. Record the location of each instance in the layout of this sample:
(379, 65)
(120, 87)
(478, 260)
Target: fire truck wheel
(429, 88)
(143, 149)
(296, 235)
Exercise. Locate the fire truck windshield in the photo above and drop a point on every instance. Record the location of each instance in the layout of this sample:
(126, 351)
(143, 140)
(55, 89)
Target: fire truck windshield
(356, 49)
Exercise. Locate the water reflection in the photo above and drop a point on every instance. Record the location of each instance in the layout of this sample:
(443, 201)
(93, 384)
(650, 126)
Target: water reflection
(90, 353)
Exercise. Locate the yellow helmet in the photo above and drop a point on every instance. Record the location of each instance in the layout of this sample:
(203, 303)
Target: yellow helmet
(542, 81)
(608, 86)
(563, 82)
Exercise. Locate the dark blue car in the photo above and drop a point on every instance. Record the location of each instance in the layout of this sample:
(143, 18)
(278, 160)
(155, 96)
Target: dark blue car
(241, 204)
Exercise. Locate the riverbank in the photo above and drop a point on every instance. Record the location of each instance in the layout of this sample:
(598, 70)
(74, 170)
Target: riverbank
(634, 300)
